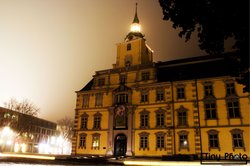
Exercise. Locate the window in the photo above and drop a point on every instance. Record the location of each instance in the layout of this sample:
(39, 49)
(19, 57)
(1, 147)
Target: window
(210, 109)
(208, 90)
(144, 141)
(96, 141)
(182, 116)
(230, 89)
(82, 141)
(144, 118)
(85, 100)
(237, 139)
(180, 93)
(128, 46)
(144, 96)
(145, 76)
(160, 118)
(122, 98)
(101, 81)
(84, 121)
(233, 109)
(159, 95)
(122, 79)
(213, 139)
(128, 61)
(97, 121)
(160, 140)
(98, 99)
(183, 140)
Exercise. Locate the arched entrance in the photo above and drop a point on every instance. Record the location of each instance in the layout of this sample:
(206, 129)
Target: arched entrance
(120, 145)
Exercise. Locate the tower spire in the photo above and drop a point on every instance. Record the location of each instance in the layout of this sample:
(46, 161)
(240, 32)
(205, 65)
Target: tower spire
(135, 28)
(136, 19)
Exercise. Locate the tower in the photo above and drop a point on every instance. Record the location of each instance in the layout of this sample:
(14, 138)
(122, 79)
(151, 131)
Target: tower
(134, 50)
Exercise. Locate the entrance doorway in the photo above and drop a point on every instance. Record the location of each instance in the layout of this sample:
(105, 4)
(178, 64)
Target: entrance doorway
(120, 145)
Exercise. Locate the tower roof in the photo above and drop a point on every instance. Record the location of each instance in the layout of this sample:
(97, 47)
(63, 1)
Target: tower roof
(136, 19)
(135, 28)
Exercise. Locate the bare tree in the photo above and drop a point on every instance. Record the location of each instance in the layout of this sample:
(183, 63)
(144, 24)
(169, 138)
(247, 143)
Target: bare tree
(65, 126)
(25, 107)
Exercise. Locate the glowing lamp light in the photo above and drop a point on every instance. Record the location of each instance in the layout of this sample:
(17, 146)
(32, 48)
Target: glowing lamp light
(135, 27)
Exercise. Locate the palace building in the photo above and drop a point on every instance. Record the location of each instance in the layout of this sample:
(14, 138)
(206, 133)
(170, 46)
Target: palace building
(143, 108)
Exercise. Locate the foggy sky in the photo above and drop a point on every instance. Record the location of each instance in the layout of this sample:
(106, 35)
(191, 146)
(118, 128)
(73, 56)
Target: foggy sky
(51, 48)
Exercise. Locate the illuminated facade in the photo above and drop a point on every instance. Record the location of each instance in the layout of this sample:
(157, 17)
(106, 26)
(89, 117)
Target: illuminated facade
(142, 108)
(24, 133)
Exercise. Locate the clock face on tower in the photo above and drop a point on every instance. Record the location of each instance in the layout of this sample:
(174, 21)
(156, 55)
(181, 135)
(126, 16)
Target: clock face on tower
(120, 117)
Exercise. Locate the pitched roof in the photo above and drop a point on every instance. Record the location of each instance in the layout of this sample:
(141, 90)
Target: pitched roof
(196, 67)
(88, 85)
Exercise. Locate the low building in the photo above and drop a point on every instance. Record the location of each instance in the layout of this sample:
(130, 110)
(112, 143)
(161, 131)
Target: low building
(142, 108)
(23, 133)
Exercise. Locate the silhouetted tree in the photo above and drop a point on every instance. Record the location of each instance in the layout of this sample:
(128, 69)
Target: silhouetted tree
(215, 21)
(65, 127)
(25, 107)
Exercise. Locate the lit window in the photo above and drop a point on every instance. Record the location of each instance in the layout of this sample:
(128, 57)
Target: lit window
(183, 140)
(96, 141)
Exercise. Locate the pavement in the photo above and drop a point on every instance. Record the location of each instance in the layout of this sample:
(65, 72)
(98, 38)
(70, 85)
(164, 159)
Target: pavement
(100, 160)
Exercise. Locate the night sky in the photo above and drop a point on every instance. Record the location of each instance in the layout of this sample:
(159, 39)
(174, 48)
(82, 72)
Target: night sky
(51, 48)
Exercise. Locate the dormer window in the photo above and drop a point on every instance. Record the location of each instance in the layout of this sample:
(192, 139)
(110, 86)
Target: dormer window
(230, 88)
(208, 90)
(101, 82)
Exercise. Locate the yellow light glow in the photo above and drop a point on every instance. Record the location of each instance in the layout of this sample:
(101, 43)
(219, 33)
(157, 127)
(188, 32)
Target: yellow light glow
(23, 147)
(27, 156)
(16, 147)
(135, 27)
